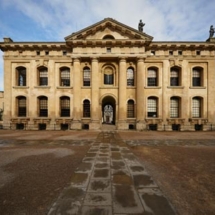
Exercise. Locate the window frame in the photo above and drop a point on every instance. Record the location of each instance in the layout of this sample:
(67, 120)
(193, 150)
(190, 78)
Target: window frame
(86, 109)
(152, 77)
(43, 106)
(130, 109)
(21, 78)
(65, 79)
(43, 76)
(152, 104)
(86, 76)
(65, 106)
(21, 107)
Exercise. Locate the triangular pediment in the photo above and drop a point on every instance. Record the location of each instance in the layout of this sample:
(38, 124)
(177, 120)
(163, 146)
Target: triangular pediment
(109, 29)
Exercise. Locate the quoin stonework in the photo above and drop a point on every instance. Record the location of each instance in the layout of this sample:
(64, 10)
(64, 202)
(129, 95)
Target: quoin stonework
(109, 73)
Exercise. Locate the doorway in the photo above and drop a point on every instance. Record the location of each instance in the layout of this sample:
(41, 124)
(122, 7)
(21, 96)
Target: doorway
(108, 110)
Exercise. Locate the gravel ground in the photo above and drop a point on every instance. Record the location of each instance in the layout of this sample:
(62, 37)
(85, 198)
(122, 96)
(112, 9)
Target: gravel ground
(185, 174)
(32, 177)
(33, 172)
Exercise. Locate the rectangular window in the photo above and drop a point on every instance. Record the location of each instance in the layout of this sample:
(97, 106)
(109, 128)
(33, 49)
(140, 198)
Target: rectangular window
(108, 79)
(196, 113)
(174, 108)
(64, 53)
(46, 52)
(43, 107)
(22, 107)
(130, 110)
(86, 79)
(43, 78)
(152, 78)
(65, 78)
(174, 79)
(196, 78)
(65, 107)
(152, 107)
(38, 53)
(180, 52)
(198, 52)
(170, 52)
(108, 50)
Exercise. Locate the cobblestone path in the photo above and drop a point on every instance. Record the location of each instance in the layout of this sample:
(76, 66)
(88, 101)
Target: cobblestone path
(111, 181)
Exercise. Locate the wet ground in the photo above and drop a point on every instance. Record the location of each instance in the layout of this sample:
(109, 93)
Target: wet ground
(102, 173)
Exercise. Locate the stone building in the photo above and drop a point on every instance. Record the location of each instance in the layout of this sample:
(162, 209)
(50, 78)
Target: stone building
(109, 73)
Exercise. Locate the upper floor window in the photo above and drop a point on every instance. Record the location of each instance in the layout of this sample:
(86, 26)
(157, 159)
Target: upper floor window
(86, 76)
(174, 76)
(64, 106)
(43, 106)
(108, 76)
(196, 107)
(174, 107)
(21, 76)
(152, 77)
(197, 76)
(130, 109)
(21, 100)
(65, 76)
(43, 76)
(130, 76)
(152, 107)
(86, 108)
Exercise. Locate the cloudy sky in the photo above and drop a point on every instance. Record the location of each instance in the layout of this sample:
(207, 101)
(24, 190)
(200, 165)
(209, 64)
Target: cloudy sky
(52, 20)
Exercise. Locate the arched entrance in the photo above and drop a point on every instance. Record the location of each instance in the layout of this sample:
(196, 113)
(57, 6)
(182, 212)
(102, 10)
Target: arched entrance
(108, 110)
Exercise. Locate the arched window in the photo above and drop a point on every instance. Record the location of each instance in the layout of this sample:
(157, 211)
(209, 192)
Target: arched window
(21, 100)
(64, 76)
(43, 76)
(174, 76)
(152, 77)
(86, 76)
(43, 106)
(152, 107)
(174, 107)
(130, 76)
(64, 106)
(86, 108)
(21, 76)
(108, 76)
(108, 37)
(197, 76)
(196, 107)
(130, 109)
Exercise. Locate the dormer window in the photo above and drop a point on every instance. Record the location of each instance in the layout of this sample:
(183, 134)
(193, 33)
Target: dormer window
(108, 37)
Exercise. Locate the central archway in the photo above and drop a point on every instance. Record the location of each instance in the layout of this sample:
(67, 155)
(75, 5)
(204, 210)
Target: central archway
(108, 110)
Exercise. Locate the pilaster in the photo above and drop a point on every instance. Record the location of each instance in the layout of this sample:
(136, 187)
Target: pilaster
(140, 94)
(95, 112)
(76, 124)
(122, 95)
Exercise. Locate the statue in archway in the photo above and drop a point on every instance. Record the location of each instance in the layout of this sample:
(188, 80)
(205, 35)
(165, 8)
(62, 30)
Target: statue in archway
(140, 26)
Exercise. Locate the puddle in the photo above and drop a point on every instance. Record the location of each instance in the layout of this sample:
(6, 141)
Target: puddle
(142, 180)
(79, 178)
(101, 173)
(122, 179)
(137, 168)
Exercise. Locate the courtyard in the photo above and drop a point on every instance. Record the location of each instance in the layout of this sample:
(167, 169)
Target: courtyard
(98, 172)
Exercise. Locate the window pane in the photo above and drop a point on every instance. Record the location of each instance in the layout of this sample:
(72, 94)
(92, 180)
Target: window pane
(196, 107)
(174, 107)
(174, 79)
(65, 106)
(43, 108)
(43, 77)
(130, 77)
(108, 79)
(86, 109)
(21, 76)
(152, 78)
(86, 79)
(130, 109)
(65, 77)
(22, 107)
(196, 78)
(152, 107)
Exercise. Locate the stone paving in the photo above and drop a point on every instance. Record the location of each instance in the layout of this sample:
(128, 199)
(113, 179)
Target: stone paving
(111, 181)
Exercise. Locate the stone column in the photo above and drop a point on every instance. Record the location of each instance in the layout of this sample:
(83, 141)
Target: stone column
(141, 106)
(95, 109)
(77, 110)
(122, 109)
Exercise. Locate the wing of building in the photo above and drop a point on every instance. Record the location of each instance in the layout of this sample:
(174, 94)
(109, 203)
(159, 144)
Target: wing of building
(109, 73)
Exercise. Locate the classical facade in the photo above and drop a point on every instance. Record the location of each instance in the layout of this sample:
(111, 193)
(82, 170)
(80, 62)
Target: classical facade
(109, 73)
